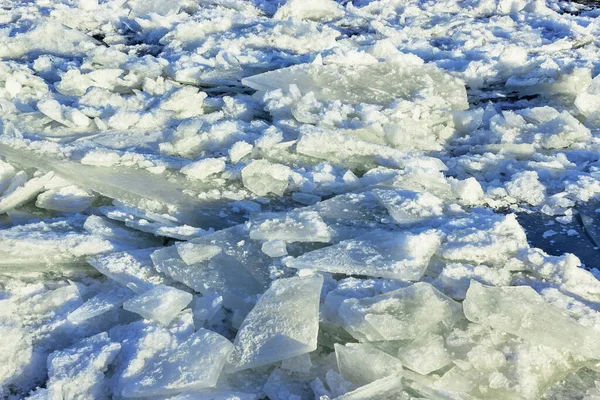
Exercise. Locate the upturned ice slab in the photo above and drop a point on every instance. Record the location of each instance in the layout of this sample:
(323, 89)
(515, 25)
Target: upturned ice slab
(283, 324)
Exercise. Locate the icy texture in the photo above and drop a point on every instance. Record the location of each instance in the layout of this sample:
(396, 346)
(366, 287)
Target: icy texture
(362, 364)
(405, 313)
(175, 371)
(282, 325)
(78, 372)
(383, 254)
(161, 303)
(299, 199)
(387, 82)
(521, 311)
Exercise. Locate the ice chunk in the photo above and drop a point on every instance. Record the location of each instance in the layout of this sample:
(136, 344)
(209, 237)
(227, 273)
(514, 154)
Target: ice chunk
(454, 280)
(588, 101)
(66, 199)
(521, 311)
(491, 241)
(407, 207)
(192, 365)
(204, 168)
(101, 303)
(388, 388)
(47, 37)
(405, 313)
(494, 364)
(24, 193)
(117, 233)
(283, 385)
(349, 151)
(262, 177)
(362, 363)
(214, 395)
(194, 253)
(525, 186)
(132, 269)
(55, 242)
(239, 150)
(425, 354)
(467, 191)
(78, 372)
(16, 354)
(206, 307)
(387, 82)
(384, 254)
(274, 248)
(186, 101)
(301, 363)
(7, 173)
(317, 10)
(303, 226)
(131, 186)
(283, 324)
(161, 303)
(238, 272)
(68, 116)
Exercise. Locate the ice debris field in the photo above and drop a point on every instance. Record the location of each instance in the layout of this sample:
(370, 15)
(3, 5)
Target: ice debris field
(302, 199)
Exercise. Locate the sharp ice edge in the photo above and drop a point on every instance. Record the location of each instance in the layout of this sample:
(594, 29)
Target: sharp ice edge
(313, 199)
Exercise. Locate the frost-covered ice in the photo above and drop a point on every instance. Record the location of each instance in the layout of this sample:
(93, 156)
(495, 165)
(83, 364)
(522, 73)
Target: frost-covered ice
(301, 199)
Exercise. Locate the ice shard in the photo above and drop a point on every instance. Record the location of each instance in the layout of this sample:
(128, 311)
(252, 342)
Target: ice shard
(519, 310)
(283, 324)
(383, 254)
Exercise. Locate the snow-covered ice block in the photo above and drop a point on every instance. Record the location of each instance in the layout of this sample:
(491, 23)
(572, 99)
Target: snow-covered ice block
(132, 269)
(350, 151)
(454, 280)
(274, 248)
(303, 226)
(525, 186)
(36, 246)
(119, 234)
(68, 116)
(16, 354)
(491, 241)
(204, 168)
(362, 363)
(192, 365)
(425, 354)
(405, 313)
(161, 303)
(66, 199)
(262, 177)
(132, 186)
(408, 207)
(283, 324)
(101, 303)
(316, 10)
(47, 37)
(386, 82)
(195, 253)
(394, 255)
(24, 193)
(521, 311)
(78, 372)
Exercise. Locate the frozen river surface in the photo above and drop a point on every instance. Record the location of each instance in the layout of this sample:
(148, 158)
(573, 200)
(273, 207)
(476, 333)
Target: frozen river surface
(297, 200)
